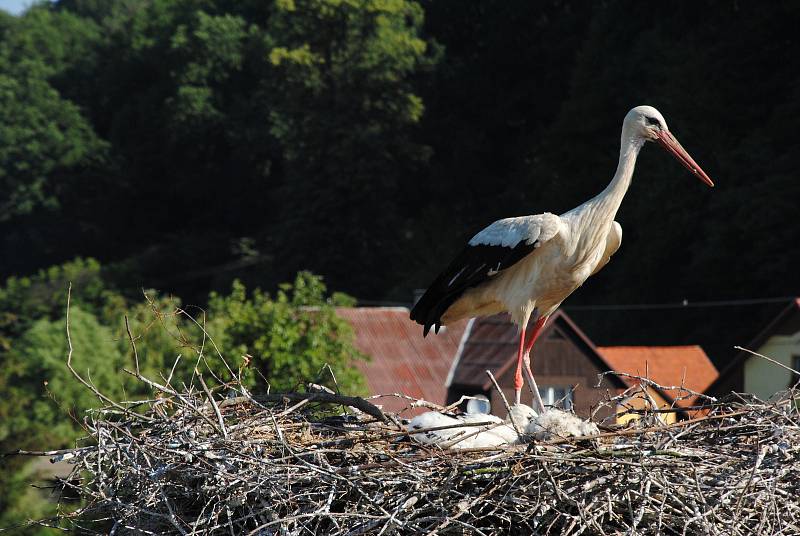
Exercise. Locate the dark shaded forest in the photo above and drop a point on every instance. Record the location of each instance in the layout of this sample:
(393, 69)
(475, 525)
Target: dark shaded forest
(181, 145)
(185, 144)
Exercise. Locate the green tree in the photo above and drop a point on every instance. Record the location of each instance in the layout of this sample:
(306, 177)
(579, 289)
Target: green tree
(274, 117)
(290, 337)
(39, 299)
(171, 343)
(42, 404)
(44, 139)
(38, 379)
(344, 109)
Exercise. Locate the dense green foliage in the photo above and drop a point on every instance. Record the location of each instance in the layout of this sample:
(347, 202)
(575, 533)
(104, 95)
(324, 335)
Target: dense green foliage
(44, 138)
(288, 339)
(190, 143)
(38, 379)
(41, 405)
(187, 143)
(291, 337)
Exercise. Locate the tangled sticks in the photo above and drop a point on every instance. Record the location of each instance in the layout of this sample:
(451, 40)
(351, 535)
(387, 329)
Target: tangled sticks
(305, 464)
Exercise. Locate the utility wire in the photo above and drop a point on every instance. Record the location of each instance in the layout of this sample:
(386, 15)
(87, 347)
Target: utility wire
(685, 304)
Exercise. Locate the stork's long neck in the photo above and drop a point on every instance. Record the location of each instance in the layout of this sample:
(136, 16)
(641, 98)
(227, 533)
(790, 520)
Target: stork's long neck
(591, 221)
(608, 201)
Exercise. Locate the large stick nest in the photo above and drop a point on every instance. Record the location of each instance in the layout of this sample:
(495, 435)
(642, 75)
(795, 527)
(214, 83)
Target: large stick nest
(194, 462)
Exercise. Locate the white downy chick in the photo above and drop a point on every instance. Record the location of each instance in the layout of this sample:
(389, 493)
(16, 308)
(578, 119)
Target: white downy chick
(555, 423)
(522, 415)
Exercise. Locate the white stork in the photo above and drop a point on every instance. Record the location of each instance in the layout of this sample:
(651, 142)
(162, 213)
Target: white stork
(530, 264)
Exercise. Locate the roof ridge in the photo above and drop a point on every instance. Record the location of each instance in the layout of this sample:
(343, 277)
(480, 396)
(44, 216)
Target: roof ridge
(460, 350)
(397, 308)
(651, 346)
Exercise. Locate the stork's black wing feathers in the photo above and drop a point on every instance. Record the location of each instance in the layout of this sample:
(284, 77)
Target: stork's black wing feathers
(474, 265)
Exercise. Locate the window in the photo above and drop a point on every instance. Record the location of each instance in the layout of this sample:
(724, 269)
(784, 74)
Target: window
(558, 396)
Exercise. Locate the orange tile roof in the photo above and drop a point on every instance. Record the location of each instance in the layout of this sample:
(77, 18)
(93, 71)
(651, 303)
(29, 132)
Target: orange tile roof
(666, 365)
(402, 360)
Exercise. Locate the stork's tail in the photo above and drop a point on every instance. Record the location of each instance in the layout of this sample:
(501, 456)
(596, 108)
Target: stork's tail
(431, 306)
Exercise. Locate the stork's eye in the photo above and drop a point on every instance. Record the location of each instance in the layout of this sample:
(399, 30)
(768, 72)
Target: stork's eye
(652, 121)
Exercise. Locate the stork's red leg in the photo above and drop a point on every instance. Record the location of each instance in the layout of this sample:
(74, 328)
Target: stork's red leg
(518, 376)
(526, 358)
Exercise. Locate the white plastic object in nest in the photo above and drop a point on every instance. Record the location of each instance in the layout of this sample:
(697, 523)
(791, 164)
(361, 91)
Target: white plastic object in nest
(473, 436)
(495, 433)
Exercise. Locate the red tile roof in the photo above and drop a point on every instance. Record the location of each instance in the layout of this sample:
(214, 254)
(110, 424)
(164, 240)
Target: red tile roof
(402, 360)
(666, 365)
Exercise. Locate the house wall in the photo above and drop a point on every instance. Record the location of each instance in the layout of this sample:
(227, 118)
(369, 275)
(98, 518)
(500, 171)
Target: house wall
(639, 401)
(763, 378)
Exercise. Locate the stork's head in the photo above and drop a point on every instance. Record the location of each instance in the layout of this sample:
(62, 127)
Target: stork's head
(645, 123)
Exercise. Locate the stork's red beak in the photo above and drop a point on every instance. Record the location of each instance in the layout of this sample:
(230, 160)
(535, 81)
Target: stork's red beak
(668, 142)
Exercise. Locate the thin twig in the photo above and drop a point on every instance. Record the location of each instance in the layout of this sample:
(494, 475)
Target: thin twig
(214, 405)
(77, 376)
(505, 403)
(790, 369)
(133, 346)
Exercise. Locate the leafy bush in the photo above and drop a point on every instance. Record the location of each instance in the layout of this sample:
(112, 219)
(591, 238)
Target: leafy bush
(287, 340)
(24, 300)
(41, 382)
(291, 337)
(43, 405)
